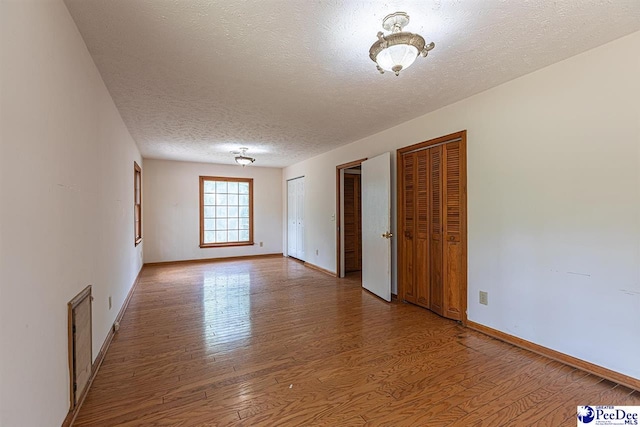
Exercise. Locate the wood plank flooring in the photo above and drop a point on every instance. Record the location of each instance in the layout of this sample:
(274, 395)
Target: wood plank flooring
(270, 342)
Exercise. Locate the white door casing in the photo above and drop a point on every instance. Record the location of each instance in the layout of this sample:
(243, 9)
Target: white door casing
(291, 219)
(300, 215)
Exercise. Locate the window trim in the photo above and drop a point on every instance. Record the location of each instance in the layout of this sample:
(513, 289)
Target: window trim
(137, 188)
(227, 179)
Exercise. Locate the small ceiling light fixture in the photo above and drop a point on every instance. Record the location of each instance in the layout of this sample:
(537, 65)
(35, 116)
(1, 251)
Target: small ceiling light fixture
(397, 51)
(242, 158)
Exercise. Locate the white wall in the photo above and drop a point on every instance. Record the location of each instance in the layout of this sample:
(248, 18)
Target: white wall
(66, 206)
(553, 202)
(171, 210)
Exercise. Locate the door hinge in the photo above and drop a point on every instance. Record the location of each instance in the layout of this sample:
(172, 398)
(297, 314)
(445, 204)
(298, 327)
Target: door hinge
(75, 387)
(73, 329)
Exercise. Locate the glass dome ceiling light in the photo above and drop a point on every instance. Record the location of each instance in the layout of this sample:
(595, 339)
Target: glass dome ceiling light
(242, 158)
(398, 50)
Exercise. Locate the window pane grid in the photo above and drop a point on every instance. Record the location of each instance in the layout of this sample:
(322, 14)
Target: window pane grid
(225, 212)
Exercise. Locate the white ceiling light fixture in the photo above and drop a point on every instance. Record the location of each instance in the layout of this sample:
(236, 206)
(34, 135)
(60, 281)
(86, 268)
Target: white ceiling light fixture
(242, 158)
(397, 51)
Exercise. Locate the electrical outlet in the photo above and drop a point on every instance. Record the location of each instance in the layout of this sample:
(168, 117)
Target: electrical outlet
(484, 298)
(109, 302)
(261, 244)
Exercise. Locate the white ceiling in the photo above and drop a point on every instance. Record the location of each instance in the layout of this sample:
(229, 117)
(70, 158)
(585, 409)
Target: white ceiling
(196, 79)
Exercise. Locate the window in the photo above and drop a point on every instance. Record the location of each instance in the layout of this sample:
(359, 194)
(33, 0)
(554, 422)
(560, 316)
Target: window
(226, 211)
(137, 203)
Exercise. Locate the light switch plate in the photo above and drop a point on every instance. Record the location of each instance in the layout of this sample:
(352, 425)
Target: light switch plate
(484, 298)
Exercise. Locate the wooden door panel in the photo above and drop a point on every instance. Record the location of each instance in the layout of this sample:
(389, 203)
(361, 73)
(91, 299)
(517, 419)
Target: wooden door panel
(358, 222)
(350, 261)
(352, 223)
(453, 297)
(408, 196)
(452, 283)
(435, 277)
(435, 229)
(407, 271)
(421, 277)
(421, 239)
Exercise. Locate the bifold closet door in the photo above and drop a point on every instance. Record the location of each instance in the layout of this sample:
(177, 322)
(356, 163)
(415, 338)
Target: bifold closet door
(408, 208)
(421, 230)
(435, 260)
(422, 260)
(295, 218)
(432, 224)
(454, 279)
(415, 236)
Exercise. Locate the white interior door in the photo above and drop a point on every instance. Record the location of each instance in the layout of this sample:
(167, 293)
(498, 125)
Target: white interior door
(295, 218)
(376, 225)
(292, 221)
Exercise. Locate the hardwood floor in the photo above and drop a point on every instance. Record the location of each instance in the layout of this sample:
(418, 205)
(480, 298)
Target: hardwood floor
(270, 342)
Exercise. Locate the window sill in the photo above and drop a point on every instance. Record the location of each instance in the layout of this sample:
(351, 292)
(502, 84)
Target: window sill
(224, 245)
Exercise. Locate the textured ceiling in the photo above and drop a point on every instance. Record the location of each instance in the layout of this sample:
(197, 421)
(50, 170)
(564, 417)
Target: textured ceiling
(196, 79)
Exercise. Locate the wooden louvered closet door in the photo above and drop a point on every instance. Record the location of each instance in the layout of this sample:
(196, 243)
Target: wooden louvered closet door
(406, 245)
(435, 242)
(452, 221)
(432, 220)
(421, 240)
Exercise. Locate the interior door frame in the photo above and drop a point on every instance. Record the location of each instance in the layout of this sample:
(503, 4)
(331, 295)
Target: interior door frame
(339, 197)
(461, 136)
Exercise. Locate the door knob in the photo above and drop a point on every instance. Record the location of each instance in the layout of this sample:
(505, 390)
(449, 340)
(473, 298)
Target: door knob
(387, 235)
